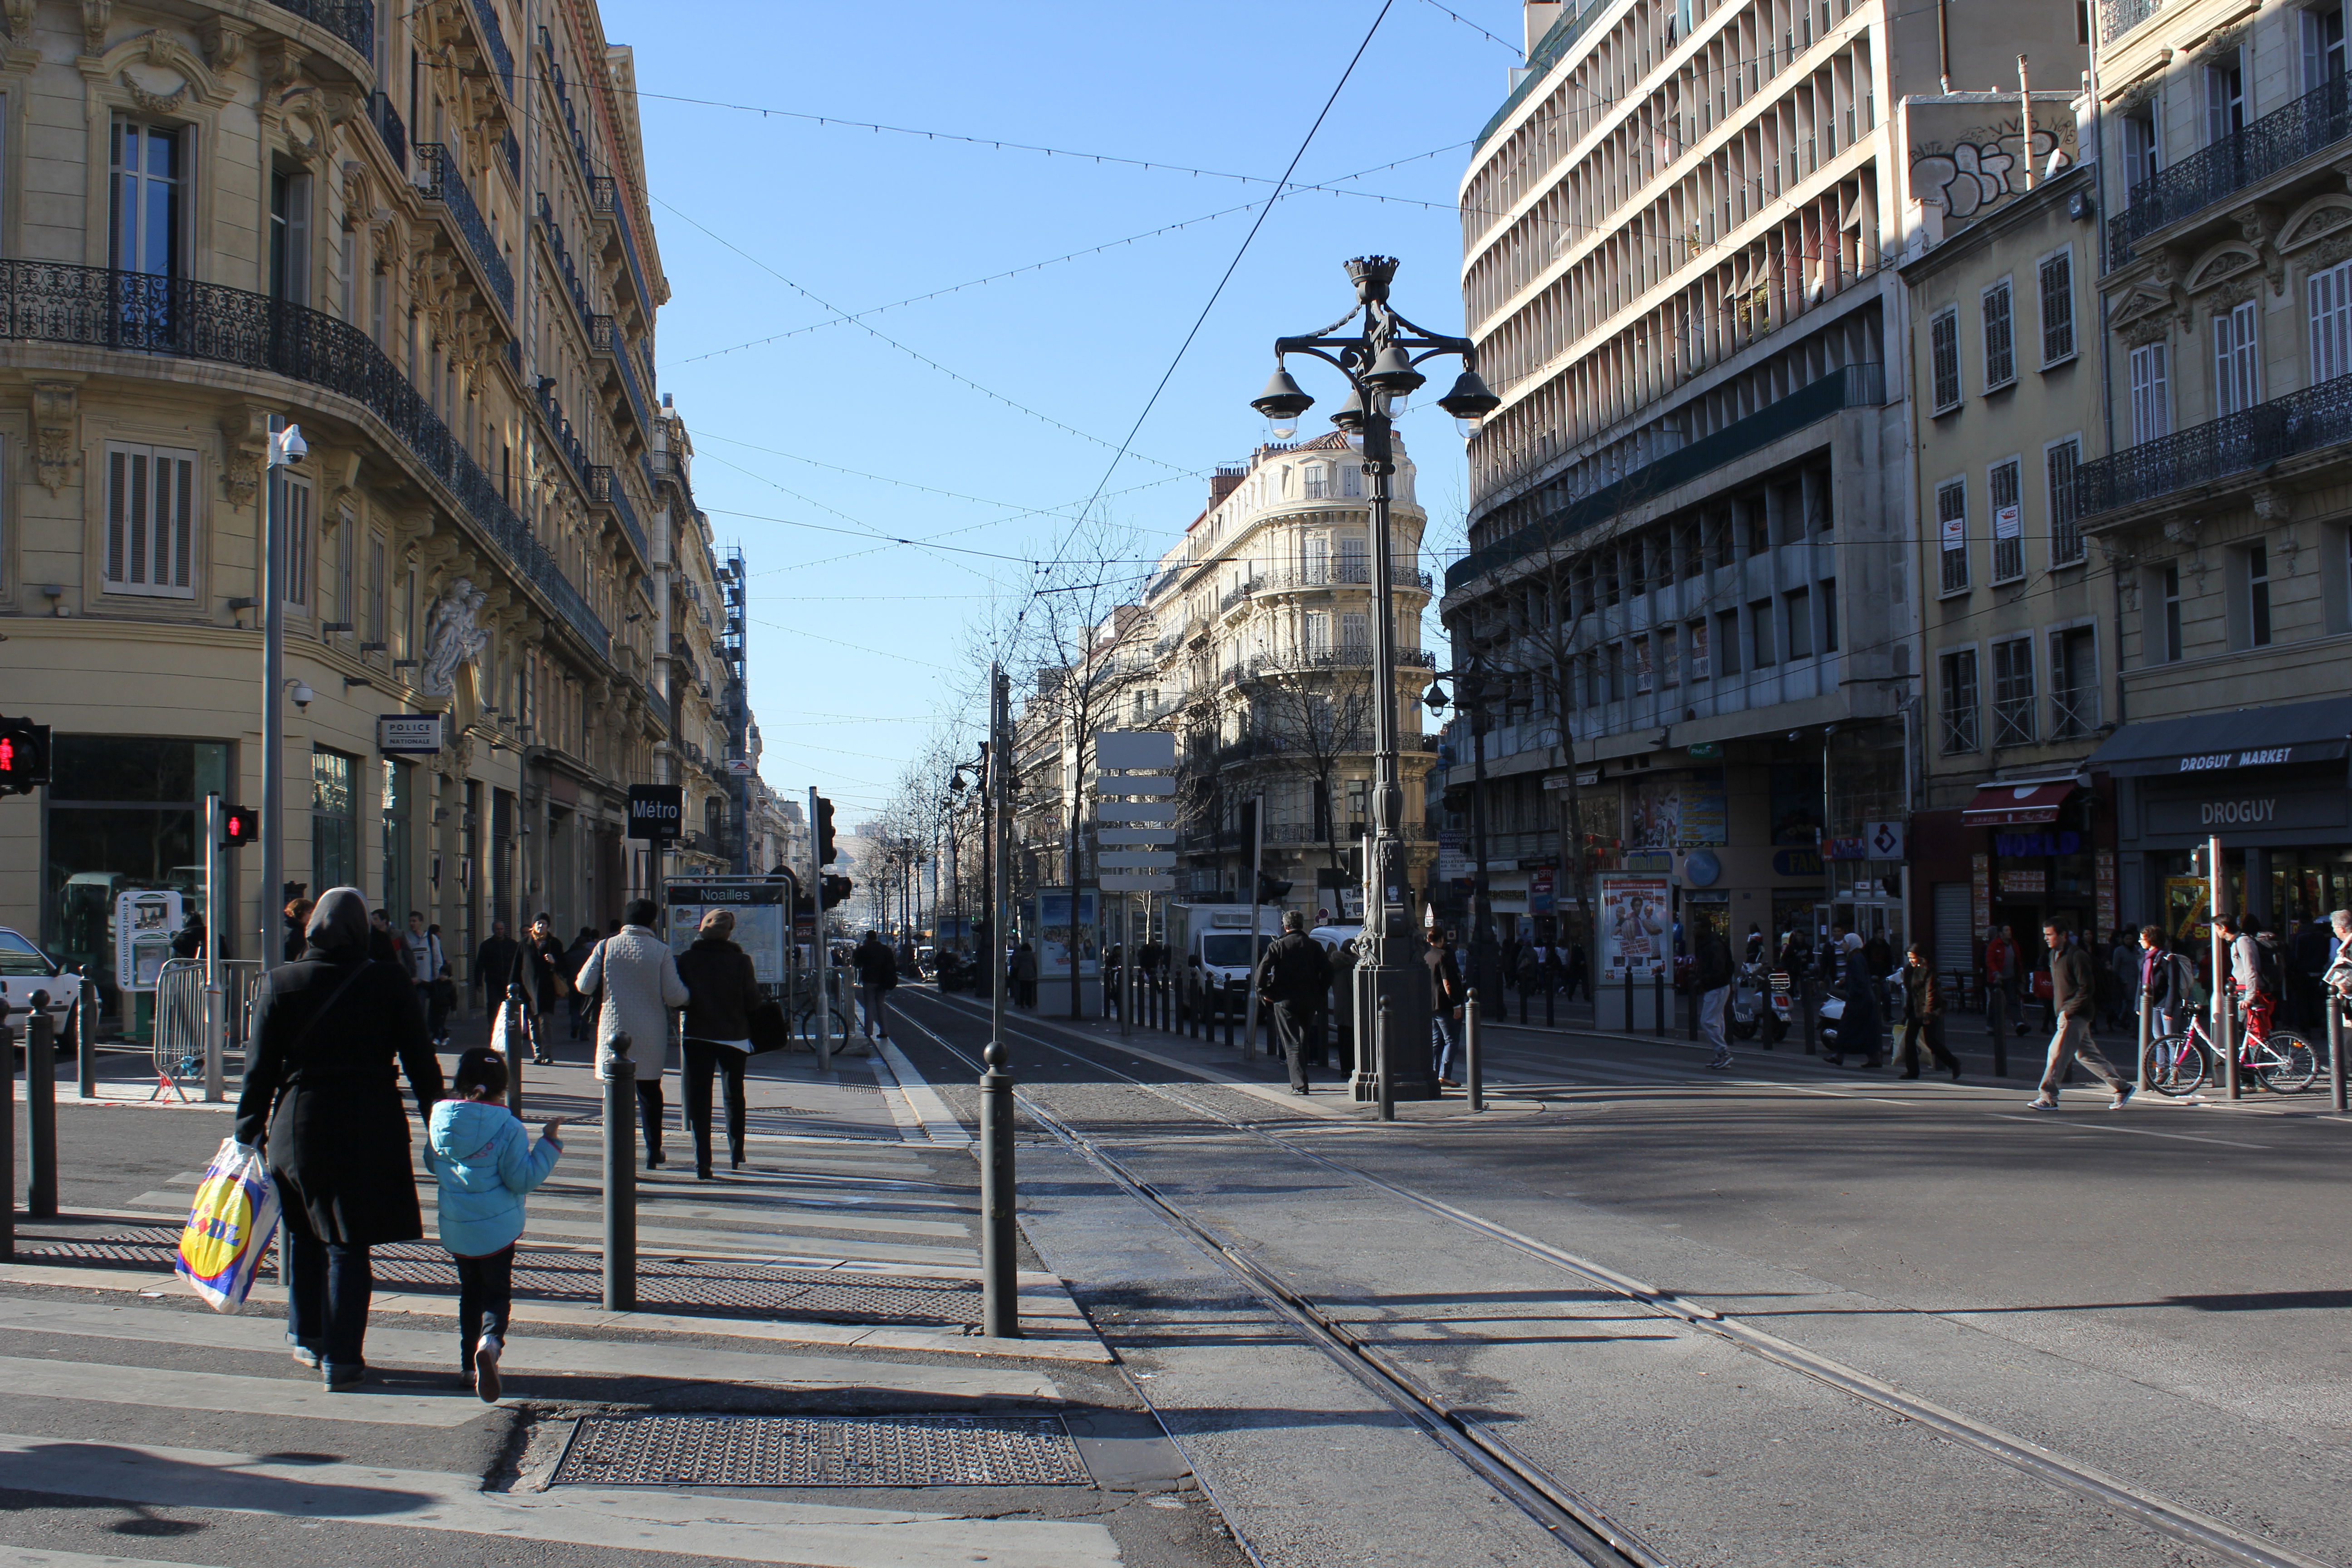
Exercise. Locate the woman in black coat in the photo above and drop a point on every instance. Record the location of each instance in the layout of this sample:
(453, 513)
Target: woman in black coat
(722, 989)
(321, 1097)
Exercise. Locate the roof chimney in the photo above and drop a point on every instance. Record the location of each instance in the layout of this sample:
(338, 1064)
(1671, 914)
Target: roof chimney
(1223, 482)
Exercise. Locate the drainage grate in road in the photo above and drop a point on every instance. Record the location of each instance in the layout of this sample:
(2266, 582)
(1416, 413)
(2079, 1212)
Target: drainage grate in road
(820, 1295)
(821, 1451)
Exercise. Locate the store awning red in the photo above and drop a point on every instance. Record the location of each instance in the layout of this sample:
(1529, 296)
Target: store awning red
(2001, 805)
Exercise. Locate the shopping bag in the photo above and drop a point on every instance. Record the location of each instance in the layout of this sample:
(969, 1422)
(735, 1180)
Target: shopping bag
(507, 1030)
(229, 1225)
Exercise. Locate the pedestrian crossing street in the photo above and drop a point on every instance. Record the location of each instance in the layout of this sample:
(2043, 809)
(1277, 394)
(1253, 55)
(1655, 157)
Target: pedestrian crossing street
(129, 1411)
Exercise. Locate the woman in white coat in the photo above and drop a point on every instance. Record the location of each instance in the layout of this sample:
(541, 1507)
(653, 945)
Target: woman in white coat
(635, 982)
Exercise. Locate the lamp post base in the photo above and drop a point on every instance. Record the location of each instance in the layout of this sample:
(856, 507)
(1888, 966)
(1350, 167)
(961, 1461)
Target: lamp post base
(1405, 988)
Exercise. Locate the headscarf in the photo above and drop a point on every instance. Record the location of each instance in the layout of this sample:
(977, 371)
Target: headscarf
(339, 925)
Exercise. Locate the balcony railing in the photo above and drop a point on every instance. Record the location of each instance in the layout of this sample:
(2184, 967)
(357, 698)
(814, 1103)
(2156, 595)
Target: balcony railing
(567, 440)
(353, 21)
(604, 486)
(388, 126)
(2012, 722)
(605, 194)
(604, 337)
(437, 176)
(93, 307)
(554, 233)
(495, 41)
(2234, 444)
(2073, 713)
(2312, 123)
(1357, 657)
(2117, 17)
(1345, 572)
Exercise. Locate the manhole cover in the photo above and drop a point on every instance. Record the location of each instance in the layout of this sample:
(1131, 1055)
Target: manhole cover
(821, 1451)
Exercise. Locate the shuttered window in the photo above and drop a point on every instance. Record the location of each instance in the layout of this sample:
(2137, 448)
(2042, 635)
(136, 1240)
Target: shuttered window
(2330, 297)
(300, 567)
(2057, 277)
(150, 528)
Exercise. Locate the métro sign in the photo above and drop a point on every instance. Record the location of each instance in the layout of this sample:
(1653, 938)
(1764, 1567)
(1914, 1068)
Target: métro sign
(656, 812)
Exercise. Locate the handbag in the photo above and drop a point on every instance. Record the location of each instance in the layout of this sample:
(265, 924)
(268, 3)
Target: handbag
(768, 1029)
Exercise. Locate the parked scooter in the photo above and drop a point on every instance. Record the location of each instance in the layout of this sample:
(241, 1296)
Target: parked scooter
(1748, 1006)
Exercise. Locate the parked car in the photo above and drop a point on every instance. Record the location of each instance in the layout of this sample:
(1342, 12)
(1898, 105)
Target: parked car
(24, 969)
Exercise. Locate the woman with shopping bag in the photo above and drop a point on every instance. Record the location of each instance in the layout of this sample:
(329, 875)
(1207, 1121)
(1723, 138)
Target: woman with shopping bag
(322, 1098)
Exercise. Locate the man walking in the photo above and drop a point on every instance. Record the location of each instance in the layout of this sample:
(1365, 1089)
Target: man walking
(1446, 995)
(877, 976)
(494, 963)
(2072, 987)
(538, 970)
(426, 964)
(1293, 981)
(1711, 978)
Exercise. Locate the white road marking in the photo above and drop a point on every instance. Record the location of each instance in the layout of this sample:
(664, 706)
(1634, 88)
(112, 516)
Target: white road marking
(747, 1529)
(30, 1557)
(165, 1388)
(2130, 1131)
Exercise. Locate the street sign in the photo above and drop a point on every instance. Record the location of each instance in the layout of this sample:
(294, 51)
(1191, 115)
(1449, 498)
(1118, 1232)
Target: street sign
(408, 734)
(1137, 882)
(758, 904)
(656, 812)
(144, 922)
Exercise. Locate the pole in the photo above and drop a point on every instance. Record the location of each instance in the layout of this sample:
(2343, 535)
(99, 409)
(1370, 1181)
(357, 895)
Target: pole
(620, 1179)
(2220, 959)
(273, 696)
(1628, 1025)
(823, 960)
(518, 1043)
(999, 1293)
(1473, 1080)
(1257, 887)
(85, 1039)
(1381, 1042)
(1482, 902)
(7, 1141)
(41, 1111)
(2147, 1020)
(1658, 999)
(2335, 1088)
(215, 1017)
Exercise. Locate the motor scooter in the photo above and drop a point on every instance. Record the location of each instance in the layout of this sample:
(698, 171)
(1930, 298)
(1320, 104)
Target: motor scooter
(1748, 1008)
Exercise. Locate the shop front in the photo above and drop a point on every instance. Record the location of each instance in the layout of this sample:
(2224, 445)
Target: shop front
(2270, 784)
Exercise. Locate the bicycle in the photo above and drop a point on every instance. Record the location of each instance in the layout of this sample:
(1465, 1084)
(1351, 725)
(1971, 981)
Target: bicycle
(802, 1010)
(2177, 1065)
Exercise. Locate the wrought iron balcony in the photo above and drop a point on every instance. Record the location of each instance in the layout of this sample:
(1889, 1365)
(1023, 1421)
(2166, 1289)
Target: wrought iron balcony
(571, 276)
(495, 41)
(2117, 17)
(437, 176)
(605, 486)
(604, 337)
(604, 195)
(1345, 572)
(94, 307)
(1339, 659)
(2311, 124)
(2237, 443)
(513, 151)
(353, 21)
(1236, 594)
(559, 428)
(388, 128)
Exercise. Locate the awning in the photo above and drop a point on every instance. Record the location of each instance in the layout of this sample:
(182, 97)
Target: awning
(2001, 805)
(2318, 732)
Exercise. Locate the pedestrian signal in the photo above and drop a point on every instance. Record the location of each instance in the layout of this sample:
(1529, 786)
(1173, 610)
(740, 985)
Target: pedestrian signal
(24, 756)
(239, 826)
(835, 890)
(1271, 889)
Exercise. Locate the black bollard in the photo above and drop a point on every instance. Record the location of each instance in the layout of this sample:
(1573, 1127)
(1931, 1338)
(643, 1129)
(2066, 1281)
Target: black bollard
(2231, 1024)
(1472, 1081)
(1658, 1000)
(2335, 1005)
(1628, 1025)
(519, 1047)
(1233, 1014)
(620, 1179)
(41, 1111)
(7, 1143)
(1804, 1005)
(2147, 1021)
(1000, 1300)
(85, 1041)
(1523, 1007)
(1381, 1044)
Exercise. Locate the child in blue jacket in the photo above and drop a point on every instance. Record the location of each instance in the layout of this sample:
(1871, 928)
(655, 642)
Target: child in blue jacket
(485, 1162)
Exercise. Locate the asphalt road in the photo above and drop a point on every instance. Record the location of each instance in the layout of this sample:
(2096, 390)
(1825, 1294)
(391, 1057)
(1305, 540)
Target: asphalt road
(2152, 1294)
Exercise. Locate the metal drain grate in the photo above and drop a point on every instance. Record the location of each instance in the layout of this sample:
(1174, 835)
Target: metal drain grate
(821, 1451)
(820, 1295)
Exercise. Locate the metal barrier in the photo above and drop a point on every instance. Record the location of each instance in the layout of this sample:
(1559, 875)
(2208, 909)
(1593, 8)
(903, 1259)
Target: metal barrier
(180, 1052)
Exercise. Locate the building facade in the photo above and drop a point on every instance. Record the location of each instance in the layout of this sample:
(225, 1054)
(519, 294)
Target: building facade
(1691, 580)
(2225, 496)
(421, 234)
(2018, 606)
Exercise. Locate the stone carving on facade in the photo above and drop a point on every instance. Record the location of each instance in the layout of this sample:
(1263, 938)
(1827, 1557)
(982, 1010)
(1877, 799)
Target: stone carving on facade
(97, 15)
(148, 102)
(54, 451)
(2225, 262)
(223, 41)
(18, 15)
(2314, 220)
(453, 637)
(245, 443)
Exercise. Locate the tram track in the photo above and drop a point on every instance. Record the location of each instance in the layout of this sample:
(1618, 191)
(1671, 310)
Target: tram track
(1579, 1524)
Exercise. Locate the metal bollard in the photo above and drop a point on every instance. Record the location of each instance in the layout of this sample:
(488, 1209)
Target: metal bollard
(620, 1180)
(1804, 1005)
(518, 1047)
(1472, 1080)
(41, 1111)
(1224, 1000)
(1381, 1044)
(1551, 993)
(1522, 1007)
(1658, 1000)
(1628, 1025)
(85, 1042)
(7, 1141)
(2336, 1050)
(2147, 1021)
(2230, 1025)
(1000, 1302)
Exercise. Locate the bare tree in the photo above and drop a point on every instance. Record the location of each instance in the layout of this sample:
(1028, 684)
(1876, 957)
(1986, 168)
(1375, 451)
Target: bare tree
(1312, 711)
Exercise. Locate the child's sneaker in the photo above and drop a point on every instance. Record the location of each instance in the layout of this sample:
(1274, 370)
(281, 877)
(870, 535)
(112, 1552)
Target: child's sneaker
(486, 1368)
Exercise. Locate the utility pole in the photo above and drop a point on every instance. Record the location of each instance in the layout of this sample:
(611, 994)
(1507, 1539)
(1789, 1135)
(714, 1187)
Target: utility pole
(821, 959)
(999, 1295)
(286, 446)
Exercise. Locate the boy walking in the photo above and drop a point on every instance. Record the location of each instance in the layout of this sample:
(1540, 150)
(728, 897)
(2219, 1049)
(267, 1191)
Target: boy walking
(485, 1162)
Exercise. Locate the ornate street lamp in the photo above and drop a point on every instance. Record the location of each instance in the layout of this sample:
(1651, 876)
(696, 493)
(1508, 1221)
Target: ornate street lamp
(1380, 362)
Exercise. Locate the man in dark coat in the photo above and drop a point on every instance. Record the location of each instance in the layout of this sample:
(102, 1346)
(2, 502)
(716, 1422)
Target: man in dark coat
(319, 1096)
(1294, 979)
(538, 970)
(494, 963)
(877, 976)
(722, 993)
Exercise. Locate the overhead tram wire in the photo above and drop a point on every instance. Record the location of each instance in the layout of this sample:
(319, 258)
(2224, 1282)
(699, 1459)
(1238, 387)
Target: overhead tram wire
(1304, 143)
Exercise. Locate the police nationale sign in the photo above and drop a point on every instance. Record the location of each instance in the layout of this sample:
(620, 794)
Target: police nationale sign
(410, 734)
(657, 811)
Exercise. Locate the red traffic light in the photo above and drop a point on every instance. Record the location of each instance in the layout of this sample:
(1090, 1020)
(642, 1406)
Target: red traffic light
(239, 826)
(24, 756)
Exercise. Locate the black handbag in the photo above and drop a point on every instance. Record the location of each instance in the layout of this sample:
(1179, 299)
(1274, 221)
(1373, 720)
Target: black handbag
(768, 1028)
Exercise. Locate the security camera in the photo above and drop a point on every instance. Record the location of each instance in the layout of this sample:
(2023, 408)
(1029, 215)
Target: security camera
(289, 445)
(302, 695)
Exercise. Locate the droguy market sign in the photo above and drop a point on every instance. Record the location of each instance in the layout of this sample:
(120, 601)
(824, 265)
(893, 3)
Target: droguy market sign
(2260, 759)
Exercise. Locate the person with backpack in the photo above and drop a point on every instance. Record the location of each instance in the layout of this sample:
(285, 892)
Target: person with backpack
(484, 1162)
(2256, 970)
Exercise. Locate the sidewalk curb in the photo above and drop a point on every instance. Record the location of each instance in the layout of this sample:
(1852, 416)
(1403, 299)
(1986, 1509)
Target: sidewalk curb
(938, 1123)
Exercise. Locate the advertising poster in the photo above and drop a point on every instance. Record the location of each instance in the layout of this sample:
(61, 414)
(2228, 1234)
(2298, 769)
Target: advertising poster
(1680, 814)
(1454, 856)
(1539, 893)
(1059, 939)
(1636, 925)
(1705, 818)
(2187, 912)
(760, 923)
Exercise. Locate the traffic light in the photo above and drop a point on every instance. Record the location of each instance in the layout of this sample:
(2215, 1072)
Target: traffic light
(24, 756)
(1270, 889)
(239, 828)
(825, 853)
(835, 890)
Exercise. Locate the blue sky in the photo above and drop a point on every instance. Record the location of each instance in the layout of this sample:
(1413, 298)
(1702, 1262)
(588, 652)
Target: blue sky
(809, 444)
